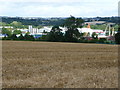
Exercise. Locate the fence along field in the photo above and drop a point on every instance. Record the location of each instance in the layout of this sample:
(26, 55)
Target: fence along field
(59, 65)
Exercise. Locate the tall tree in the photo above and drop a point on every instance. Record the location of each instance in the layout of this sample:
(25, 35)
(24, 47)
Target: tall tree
(29, 37)
(21, 37)
(13, 37)
(55, 34)
(117, 36)
(17, 32)
(72, 34)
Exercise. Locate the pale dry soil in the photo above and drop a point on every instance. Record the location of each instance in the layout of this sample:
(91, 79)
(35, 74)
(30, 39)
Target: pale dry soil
(27, 64)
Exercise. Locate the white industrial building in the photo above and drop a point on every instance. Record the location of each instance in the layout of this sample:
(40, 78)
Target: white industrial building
(37, 31)
(101, 33)
(6, 27)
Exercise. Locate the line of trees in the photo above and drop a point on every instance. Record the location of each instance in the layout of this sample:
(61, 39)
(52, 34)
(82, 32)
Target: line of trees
(71, 35)
(26, 37)
(56, 35)
(35, 21)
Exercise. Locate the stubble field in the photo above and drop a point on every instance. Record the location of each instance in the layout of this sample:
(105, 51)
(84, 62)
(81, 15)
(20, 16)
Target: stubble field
(59, 65)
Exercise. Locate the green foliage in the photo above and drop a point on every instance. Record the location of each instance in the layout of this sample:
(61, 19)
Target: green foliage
(116, 27)
(94, 41)
(5, 31)
(55, 34)
(117, 38)
(35, 22)
(73, 22)
(29, 37)
(43, 38)
(45, 32)
(117, 35)
(16, 24)
(72, 34)
(101, 27)
(3, 24)
(94, 35)
(17, 32)
(6, 38)
(13, 37)
(102, 40)
(40, 26)
(21, 37)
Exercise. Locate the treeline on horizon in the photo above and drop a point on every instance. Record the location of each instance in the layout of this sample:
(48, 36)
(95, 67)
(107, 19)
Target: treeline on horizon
(52, 21)
(55, 35)
(34, 21)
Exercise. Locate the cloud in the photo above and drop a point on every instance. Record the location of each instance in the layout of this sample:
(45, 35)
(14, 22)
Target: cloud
(59, 1)
(58, 8)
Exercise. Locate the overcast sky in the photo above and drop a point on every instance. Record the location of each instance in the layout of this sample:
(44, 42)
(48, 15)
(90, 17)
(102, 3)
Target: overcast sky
(59, 8)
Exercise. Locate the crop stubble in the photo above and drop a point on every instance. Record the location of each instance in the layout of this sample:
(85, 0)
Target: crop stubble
(59, 65)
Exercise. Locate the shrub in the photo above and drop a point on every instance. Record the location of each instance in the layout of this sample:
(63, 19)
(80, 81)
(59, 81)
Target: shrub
(102, 40)
(117, 38)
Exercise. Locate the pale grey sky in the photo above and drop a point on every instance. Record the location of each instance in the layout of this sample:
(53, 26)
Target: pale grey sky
(58, 8)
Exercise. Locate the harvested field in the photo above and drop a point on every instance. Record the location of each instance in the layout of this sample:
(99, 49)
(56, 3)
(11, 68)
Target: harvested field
(59, 65)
